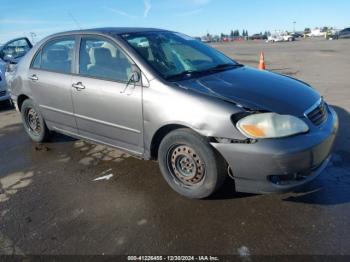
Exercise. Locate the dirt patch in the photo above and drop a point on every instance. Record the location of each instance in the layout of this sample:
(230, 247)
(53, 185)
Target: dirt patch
(328, 51)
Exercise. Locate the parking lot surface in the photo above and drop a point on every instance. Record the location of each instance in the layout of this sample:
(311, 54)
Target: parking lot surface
(54, 201)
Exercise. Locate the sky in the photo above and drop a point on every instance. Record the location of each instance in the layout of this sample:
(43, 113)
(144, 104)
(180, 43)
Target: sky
(192, 17)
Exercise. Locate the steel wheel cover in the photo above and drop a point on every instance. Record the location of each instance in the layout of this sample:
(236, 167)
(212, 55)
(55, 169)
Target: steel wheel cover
(33, 121)
(185, 165)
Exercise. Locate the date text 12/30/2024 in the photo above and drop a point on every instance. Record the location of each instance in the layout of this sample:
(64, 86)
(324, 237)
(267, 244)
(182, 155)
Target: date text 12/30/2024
(173, 258)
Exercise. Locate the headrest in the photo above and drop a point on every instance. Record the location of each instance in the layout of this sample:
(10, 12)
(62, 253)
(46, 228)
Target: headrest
(111, 48)
(144, 52)
(102, 55)
(57, 55)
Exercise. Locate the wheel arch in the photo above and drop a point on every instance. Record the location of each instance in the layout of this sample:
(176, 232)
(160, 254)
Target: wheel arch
(20, 99)
(160, 134)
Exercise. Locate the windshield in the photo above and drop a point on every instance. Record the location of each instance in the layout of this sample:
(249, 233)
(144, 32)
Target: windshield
(175, 55)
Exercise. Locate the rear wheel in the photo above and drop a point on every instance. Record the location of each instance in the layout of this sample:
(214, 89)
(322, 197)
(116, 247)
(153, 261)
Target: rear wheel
(190, 165)
(33, 122)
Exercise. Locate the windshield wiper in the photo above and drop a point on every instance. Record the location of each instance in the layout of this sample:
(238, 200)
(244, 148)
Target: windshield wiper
(190, 73)
(220, 67)
(186, 73)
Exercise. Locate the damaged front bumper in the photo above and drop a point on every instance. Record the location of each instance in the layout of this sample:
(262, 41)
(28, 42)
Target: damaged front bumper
(280, 165)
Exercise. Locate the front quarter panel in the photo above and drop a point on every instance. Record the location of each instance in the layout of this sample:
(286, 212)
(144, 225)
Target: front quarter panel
(167, 105)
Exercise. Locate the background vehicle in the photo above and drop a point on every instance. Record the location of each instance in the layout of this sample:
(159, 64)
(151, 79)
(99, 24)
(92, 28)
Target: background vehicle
(10, 54)
(334, 34)
(4, 95)
(205, 39)
(316, 33)
(345, 33)
(282, 37)
(297, 35)
(258, 37)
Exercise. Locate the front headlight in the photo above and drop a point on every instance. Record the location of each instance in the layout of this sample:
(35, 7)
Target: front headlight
(271, 125)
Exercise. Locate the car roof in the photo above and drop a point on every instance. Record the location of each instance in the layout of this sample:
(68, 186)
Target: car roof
(112, 30)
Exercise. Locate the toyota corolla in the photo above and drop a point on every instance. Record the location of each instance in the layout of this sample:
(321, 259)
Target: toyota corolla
(164, 96)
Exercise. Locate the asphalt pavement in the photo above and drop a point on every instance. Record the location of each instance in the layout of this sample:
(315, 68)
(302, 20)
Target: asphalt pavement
(73, 197)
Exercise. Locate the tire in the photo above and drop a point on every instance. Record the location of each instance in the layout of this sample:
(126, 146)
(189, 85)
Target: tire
(33, 122)
(190, 165)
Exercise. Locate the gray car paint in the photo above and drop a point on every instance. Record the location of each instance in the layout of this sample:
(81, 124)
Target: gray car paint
(258, 89)
(134, 122)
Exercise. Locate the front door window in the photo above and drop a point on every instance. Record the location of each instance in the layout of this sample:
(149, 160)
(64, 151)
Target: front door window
(102, 59)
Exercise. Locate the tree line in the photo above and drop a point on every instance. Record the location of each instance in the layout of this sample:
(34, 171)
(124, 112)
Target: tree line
(236, 33)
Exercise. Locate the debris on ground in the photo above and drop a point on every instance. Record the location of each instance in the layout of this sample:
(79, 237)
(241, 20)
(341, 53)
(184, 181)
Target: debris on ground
(40, 147)
(105, 177)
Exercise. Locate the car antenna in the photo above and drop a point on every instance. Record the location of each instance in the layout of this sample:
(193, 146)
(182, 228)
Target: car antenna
(74, 20)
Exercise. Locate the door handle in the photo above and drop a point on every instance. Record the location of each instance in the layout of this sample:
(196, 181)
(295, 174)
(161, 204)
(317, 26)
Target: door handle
(78, 86)
(33, 77)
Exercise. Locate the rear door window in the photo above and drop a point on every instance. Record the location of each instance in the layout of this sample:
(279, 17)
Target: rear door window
(57, 56)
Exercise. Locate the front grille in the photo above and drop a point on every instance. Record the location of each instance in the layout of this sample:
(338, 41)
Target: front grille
(318, 113)
(2, 93)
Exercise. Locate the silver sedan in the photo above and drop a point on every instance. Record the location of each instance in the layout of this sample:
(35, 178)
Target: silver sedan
(165, 96)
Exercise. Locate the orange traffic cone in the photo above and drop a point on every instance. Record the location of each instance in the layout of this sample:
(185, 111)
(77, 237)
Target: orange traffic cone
(262, 62)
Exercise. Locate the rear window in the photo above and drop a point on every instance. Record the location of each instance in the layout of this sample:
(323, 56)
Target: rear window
(57, 56)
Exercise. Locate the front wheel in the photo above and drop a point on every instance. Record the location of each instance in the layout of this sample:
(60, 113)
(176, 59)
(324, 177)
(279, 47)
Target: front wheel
(33, 122)
(190, 165)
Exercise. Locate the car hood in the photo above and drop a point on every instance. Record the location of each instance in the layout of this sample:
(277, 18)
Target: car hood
(257, 90)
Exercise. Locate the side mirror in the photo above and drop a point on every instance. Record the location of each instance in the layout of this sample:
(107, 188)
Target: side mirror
(135, 75)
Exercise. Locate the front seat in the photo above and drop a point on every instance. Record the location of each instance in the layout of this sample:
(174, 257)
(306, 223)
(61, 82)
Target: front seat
(106, 66)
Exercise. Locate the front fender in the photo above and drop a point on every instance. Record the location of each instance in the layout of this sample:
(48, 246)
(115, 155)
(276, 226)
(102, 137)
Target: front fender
(209, 116)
